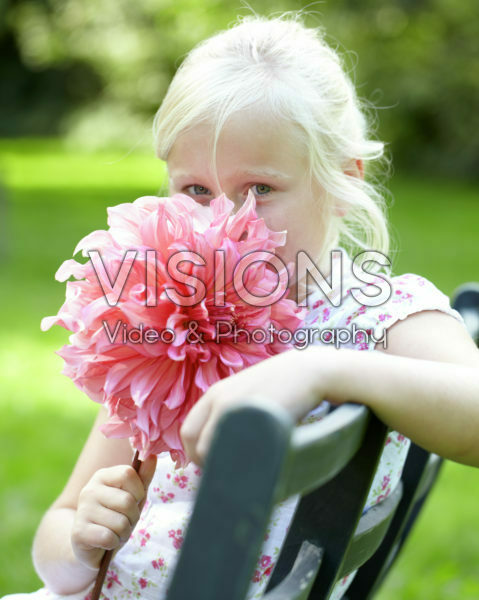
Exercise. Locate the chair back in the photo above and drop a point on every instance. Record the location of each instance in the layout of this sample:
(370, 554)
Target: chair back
(259, 457)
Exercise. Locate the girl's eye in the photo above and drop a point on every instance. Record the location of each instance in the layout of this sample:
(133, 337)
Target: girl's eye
(199, 190)
(262, 188)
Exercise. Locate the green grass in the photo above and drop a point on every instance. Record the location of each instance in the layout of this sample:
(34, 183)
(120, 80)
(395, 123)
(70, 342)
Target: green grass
(55, 197)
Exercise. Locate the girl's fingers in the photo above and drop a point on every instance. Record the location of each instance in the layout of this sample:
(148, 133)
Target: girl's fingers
(204, 441)
(115, 522)
(123, 477)
(90, 537)
(147, 470)
(119, 501)
(193, 424)
(146, 473)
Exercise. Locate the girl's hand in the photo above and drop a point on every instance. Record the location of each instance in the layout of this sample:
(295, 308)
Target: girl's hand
(293, 379)
(109, 506)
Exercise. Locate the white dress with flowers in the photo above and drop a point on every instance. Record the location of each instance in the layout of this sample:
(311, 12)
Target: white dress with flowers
(144, 565)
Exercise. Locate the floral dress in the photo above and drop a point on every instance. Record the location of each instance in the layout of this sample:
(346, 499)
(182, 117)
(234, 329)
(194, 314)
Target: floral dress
(142, 568)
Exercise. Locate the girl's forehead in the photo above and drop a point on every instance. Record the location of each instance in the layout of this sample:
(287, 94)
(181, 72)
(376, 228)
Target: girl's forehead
(252, 122)
(248, 140)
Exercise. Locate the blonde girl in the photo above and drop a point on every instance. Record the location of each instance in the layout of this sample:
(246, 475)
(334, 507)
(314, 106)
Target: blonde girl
(266, 107)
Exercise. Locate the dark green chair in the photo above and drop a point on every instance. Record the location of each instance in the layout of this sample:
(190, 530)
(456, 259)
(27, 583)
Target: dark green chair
(259, 457)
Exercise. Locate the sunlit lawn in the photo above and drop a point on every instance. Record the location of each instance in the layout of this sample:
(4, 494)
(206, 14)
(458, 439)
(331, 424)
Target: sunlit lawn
(55, 197)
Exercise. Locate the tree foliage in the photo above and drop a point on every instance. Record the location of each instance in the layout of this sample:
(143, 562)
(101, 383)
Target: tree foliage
(96, 70)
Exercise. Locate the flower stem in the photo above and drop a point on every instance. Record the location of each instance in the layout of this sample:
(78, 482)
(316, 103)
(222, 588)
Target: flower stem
(105, 561)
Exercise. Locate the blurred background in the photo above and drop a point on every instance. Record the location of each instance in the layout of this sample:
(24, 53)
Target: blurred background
(80, 82)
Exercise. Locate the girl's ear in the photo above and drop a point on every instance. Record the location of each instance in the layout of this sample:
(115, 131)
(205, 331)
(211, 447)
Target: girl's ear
(355, 168)
(360, 166)
(339, 211)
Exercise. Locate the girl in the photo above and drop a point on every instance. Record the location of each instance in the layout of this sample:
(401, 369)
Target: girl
(265, 107)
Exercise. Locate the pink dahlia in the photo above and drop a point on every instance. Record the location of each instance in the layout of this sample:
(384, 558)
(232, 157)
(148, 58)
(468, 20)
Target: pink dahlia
(148, 340)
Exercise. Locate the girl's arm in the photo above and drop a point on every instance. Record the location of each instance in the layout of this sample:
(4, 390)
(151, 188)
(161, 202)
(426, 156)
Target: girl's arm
(96, 510)
(425, 384)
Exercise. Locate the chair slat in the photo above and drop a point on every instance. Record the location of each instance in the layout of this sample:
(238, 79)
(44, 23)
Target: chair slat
(320, 450)
(233, 504)
(466, 301)
(370, 531)
(316, 518)
(297, 585)
(419, 474)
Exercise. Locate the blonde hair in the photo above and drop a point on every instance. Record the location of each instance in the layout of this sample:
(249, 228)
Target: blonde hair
(285, 70)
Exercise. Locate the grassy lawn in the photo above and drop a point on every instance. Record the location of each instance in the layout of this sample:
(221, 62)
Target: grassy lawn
(55, 197)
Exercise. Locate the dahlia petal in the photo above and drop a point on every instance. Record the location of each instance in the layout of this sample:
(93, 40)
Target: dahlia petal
(221, 205)
(47, 322)
(230, 357)
(68, 268)
(167, 416)
(177, 392)
(159, 377)
(177, 353)
(172, 437)
(115, 428)
(120, 374)
(241, 218)
(206, 374)
(94, 241)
